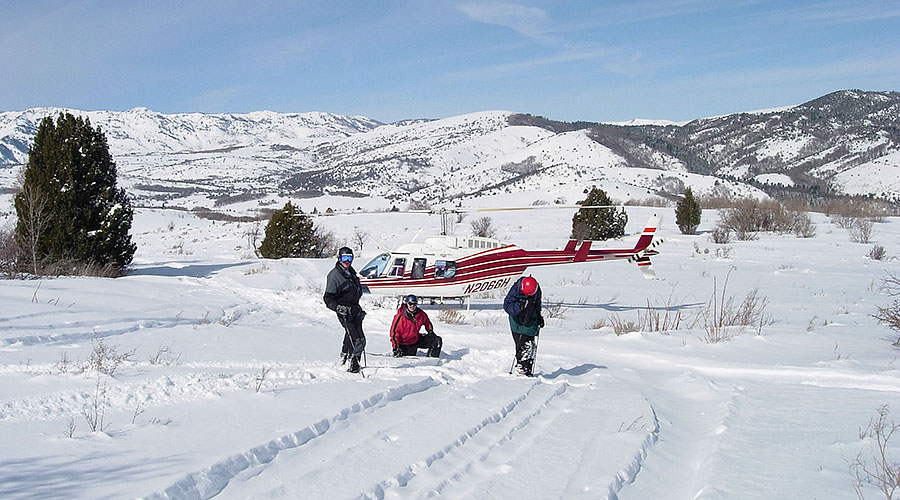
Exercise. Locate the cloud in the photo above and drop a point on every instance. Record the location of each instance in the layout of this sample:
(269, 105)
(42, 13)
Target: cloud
(835, 12)
(502, 70)
(529, 21)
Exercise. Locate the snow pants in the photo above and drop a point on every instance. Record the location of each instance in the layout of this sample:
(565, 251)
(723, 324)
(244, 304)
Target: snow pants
(526, 351)
(354, 339)
(431, 342)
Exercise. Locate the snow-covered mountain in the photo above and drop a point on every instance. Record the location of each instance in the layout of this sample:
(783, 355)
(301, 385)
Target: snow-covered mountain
(845, 142)
(142, 131)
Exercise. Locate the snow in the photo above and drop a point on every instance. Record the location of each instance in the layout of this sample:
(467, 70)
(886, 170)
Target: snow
(773, 413)
(881, 175)
(782, 179)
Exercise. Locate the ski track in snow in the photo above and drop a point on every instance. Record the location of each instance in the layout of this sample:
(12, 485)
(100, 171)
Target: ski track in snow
(461, 466)
(209, 482)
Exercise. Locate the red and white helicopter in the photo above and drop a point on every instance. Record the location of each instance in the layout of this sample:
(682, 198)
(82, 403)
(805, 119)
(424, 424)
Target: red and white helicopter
(458, 266)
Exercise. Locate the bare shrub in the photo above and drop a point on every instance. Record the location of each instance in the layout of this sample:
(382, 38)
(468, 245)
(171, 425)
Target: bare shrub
(261, 377)
(483, 227)
(451, 316)
(105, 358)
(71, 267)
(9, 253)
(489, 321)
(95, 409)
(749, 216)
(263, 269)
(842, 221)
(861, 230)
(230, 317)
(418, 205)
(648, 202)
(890, 284)
(877, 469)
(876, 253)
(842, 211)
(252, 234)
(663, 319)
(63, 365)
(621, 327)
(326, 243)
(723, 253)
(34, 219)
(554, 309)
(138, 411)
(69, 432)
(164, 356)
(360, 236)
(724, 317)
(598, 324)
(890, 315)
(202, 321)
(720, 235)
(804, 227)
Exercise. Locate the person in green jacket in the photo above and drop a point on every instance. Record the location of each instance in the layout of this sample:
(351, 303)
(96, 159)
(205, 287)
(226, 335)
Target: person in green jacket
(523, 304)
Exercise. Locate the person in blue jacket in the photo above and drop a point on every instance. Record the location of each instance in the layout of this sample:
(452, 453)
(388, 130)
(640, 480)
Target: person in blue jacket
(523, 304)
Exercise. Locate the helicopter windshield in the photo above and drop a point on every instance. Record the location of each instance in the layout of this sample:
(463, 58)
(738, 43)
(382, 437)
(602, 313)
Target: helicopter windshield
(375, 266)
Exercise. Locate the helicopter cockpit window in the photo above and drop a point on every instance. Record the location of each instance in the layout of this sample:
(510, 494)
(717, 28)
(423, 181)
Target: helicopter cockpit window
(444, 269)
(375, 266)
(399, 267)
(418, 268)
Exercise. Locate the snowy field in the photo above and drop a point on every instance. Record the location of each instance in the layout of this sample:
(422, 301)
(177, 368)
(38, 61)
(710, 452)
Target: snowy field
(231, 386)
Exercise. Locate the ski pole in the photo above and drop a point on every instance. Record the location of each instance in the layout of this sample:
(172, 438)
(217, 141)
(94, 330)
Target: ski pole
(353, 346)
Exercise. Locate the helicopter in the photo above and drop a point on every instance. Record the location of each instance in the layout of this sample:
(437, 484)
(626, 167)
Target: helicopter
(457, 267)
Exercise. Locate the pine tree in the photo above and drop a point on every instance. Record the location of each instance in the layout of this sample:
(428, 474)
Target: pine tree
(290, 234)
(687, 213)
(86, 219)
(598, 223)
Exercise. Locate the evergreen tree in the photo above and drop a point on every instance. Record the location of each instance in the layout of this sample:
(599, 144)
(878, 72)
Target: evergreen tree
(86, 218)
(598, 223)
(687, 213)
(290, 234)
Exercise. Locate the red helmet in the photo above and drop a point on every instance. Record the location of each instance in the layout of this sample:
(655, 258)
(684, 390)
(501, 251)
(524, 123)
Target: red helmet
(528, 286)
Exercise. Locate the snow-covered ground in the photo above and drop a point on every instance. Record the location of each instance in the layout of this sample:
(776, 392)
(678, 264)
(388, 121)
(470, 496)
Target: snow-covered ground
(775, 412)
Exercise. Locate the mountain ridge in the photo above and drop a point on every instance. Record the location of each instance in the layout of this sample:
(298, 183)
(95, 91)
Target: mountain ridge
(844, 142)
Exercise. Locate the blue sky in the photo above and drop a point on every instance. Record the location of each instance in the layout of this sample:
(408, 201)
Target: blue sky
(567, 60)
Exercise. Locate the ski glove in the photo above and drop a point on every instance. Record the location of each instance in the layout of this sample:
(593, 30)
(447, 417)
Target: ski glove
(343, 310)
(541, 321)
(397, 353)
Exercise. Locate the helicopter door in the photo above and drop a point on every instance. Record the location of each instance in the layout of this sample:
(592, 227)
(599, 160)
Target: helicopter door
(399, 267)
(418, 268)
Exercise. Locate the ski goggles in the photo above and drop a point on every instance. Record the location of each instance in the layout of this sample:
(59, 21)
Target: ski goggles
(346, 258)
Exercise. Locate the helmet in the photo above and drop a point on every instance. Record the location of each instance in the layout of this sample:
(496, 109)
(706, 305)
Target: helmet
(410, 299)
(528, 285)
(345, 251)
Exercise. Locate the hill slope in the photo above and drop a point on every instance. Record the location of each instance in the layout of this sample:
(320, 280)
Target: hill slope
(844, 142)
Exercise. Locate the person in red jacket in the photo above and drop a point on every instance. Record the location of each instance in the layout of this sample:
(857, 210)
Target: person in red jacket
(406, 331)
